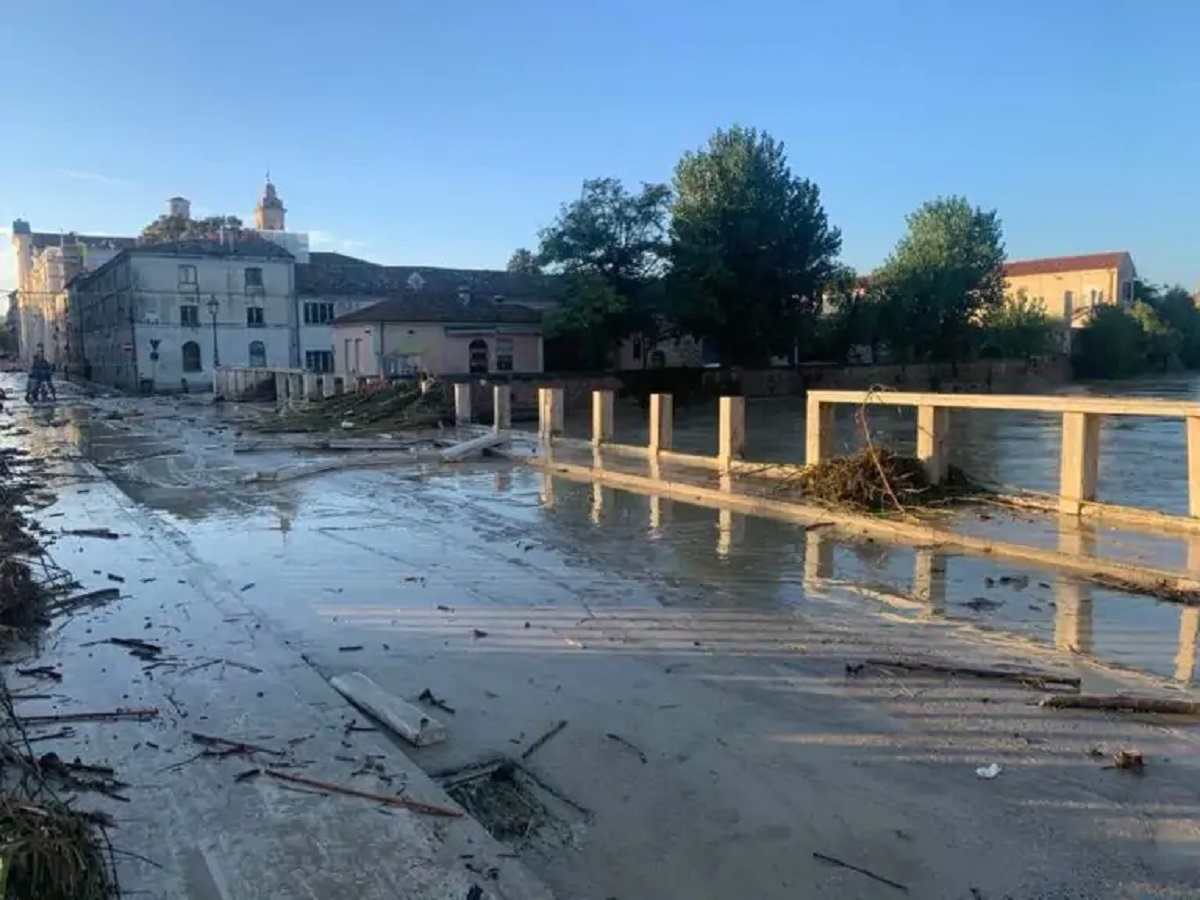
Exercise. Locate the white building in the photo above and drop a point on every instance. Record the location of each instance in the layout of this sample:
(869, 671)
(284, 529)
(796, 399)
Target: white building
(160, 317)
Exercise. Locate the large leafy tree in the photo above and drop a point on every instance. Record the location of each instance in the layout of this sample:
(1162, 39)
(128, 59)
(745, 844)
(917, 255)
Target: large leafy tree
(178, 228)
(611, 245)
(523, 262)
(751, 247)
(944, 275)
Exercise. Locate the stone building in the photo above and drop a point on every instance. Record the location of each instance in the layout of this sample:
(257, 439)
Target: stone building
(160, 317)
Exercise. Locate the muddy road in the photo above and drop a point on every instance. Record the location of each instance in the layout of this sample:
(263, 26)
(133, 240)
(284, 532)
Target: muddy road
(732, 726)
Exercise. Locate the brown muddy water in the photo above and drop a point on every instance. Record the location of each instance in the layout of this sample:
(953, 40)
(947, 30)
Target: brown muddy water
(333, 545)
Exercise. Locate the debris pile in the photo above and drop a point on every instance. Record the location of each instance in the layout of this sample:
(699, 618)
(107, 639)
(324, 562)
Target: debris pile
(402, 405)
(23, 599)
(877, 479)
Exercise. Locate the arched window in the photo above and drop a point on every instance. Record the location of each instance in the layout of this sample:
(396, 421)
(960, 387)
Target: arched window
(478, 363)
(258, 355)
(191, 357)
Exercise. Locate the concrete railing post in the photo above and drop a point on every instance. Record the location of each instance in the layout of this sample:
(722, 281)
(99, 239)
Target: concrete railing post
(731, 439)
(550, 411)
(932, 426)
(662, 422)
(312, 386)
(818, 432)
(501, 407)
(1193, 465)
(602, 416)
(1080, 461)
(462, 403)
(281, 386)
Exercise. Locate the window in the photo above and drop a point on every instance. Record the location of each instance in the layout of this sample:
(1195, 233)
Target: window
(318, 360)
(254, 317)
(318, 313)
(254, 281)
(189, 315)
(504, 354)
(1126, 292)
(477, 359)
(258, 355)
(187, 276)
(191, 357)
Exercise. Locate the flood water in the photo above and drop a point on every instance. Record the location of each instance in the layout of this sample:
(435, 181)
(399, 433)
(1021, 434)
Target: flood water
(335, 547)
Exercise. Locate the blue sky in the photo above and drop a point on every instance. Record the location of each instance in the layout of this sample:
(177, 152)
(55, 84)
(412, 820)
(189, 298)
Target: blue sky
(448, 132)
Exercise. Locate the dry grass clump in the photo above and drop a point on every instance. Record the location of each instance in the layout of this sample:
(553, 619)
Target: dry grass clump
(879, 480)
(49, 852)
(403, 405)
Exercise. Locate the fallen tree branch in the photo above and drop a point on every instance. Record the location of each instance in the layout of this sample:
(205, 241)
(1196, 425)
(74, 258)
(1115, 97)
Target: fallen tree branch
(1121, 703)
(428, 809)
(834, 861)
(232, 745)
(1028, 677)
(540, 742)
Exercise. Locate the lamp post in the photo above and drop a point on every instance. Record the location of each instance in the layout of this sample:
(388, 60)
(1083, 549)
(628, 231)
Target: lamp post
(213, 305)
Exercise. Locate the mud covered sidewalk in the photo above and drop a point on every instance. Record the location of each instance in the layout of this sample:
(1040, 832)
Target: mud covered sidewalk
(643, 699)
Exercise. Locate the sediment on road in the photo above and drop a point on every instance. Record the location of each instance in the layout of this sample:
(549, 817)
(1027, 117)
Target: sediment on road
(49, 848)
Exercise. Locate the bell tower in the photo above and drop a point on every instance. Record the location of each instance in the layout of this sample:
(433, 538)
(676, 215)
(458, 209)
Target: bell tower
(269, 211)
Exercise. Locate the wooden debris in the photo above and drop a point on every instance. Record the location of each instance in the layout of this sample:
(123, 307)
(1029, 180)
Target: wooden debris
(427, 696)
(1028, 678)
(834, 861)
(234, 745)
(116, 715)
(1123, 703)
(1130, 760)
(350, 648)
(406, 720)
(104, 533)
(541, 742)
(626, 743)
(247, 775)
(223, 662)
(42, 672)
(103, 595)
(428, 809)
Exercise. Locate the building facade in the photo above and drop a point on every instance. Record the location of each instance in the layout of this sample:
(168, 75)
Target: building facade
(161, 317)
(438, 334)
(1072, 287)
(333, 286)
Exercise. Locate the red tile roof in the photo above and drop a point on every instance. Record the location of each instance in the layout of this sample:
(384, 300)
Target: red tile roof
(1055, 265)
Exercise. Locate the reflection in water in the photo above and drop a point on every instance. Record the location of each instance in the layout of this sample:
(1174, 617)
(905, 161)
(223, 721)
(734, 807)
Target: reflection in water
(929, 581)
(1073, 599)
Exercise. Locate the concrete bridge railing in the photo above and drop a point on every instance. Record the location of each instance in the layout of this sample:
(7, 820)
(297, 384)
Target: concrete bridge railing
(290, 385)
(1081, 419)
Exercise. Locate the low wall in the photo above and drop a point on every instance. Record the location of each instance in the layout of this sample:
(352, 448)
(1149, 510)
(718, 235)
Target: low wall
(980, 377)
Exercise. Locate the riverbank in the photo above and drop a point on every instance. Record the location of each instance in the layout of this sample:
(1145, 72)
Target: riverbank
(720, 738)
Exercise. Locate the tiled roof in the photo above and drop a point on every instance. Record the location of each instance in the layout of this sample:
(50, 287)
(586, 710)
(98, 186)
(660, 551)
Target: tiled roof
(426, 306)
(338, 274)
(246, 245)
(40, 240)
(1055, 265)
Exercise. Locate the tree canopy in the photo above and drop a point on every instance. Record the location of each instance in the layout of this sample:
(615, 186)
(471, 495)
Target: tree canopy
(751, 247)
(178, 228)
(611, 245)
(944, 274)
(523, 261)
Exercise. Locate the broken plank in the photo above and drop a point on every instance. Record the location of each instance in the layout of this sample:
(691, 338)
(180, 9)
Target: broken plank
(1121, 703)
(1027, 677)
(115, 715)
(476, 445)
(412, 724)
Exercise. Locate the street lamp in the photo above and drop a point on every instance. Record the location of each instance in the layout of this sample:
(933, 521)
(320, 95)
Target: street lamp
(213, 305)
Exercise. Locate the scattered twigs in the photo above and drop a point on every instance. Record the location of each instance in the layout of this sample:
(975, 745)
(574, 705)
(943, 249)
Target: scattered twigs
(116, 715)
(427, 696)
(236, 746)
(627, 743)
(541, 742)
(91, 598)
(42, 672)
(428, 809)
(1121, 703)
(861, 415)
(1026, 678)
(834, 861)
(103, 533)
(222, 662)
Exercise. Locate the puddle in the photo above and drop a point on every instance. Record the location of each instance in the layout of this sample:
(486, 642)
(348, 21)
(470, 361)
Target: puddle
(515, 806)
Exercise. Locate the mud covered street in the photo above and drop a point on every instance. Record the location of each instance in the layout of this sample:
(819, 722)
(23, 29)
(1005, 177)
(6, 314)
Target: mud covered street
(643, 699)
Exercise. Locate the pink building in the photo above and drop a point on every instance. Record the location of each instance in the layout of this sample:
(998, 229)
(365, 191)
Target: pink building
(441, 334)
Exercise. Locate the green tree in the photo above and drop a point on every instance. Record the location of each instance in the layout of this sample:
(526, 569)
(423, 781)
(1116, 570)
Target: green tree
(581, 328)
(1112, 344)
(751, 247)
(944, 275)
(524, 262)
(177, 228)
(1018, 328)
(1176, 307)
(614, 239)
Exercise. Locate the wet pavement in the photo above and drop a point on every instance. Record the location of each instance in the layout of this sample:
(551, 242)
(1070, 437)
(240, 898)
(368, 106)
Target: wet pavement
(698, 659)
